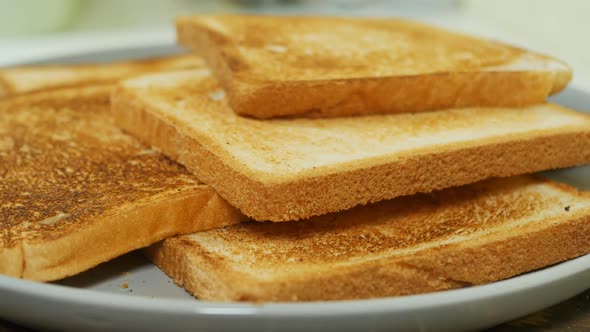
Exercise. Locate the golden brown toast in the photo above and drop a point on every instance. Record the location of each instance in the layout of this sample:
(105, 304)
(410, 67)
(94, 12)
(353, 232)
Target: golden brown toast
(453, 238)
(328, 66)
(26, 79)
(287, 169)
(75, 191)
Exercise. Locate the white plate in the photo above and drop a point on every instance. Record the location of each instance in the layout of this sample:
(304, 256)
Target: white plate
(96, 300)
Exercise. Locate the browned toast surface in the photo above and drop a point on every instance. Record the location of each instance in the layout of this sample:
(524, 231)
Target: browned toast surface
(328, 66)
(75, 191)
(64, 162)
(286, 169)
(457, 237)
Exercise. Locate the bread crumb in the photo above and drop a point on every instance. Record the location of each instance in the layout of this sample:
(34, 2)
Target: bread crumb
(124, 285)
(567, 208)
(216, 95)
(147, 152)
(54, 219)
(276, 48)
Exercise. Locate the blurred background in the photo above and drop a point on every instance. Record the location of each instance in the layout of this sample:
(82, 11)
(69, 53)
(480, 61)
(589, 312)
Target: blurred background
(35, 29)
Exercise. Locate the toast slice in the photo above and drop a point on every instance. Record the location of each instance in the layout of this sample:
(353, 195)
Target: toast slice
(75, 191)
(287, 169)
(26, 79)
(328, 66)
(454, 238)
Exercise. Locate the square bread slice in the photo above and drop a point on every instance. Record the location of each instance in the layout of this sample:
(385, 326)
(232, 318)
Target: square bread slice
(453, 238)
(328, 66)
(75, 191)
(287, 169)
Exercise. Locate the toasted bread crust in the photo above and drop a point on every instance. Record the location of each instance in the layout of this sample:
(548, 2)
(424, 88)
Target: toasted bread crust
(492, 252)
(233, 52)
(11, 259)
(327, 191)
(200, 273)
(562, 79)
(389, 95)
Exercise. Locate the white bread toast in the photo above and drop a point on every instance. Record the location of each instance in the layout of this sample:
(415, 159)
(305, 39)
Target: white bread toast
(287, 169)
(26, 79)
(75, 191)
(328, 66)
(453, 238)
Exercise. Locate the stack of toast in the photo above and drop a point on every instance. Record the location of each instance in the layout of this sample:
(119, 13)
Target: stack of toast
(302, 159)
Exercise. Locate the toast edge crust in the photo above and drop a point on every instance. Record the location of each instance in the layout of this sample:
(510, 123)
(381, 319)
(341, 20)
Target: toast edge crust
(120, 232)
(326, 193)
(561, 80)
(386, 95)
(447, 267)
(11, 260)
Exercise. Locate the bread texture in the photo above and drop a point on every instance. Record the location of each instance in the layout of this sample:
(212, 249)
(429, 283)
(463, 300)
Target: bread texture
(26, 79)
(75, 191)
(288, 169)
(453, 238)
(327, 66)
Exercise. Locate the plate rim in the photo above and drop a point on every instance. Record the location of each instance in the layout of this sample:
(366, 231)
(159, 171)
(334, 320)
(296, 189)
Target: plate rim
(539, 278)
